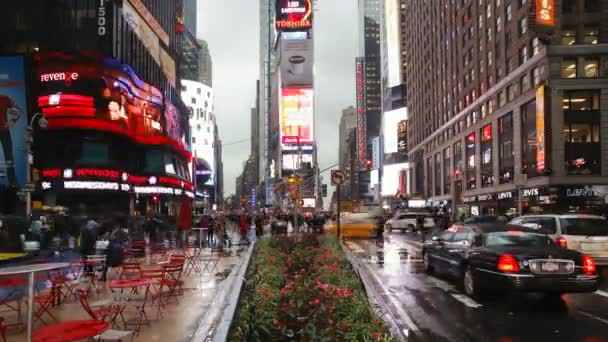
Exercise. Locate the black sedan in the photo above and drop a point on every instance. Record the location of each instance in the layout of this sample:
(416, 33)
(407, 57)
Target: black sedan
(496, 257)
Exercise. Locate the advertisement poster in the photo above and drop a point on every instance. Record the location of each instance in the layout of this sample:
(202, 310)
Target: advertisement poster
(173, 123)
(402, 136)
(361, 123)
(293, 15)
(391, 124)
(540, 128)
(296, 62)
(297, 116)
(13, 116)
(106, 96)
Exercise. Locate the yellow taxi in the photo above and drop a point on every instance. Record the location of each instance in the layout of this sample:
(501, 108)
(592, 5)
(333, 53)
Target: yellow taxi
(354, 225)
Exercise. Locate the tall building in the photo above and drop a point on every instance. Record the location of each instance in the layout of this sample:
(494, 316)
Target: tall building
(504, 95)
(205, 68)
(107, 90)
(348, 121)
(190, 15)
(190, 53)
(369, 72)
(199, 99)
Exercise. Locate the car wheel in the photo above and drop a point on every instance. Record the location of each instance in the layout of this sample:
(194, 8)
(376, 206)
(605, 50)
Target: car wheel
(426, 262)
(470, 284)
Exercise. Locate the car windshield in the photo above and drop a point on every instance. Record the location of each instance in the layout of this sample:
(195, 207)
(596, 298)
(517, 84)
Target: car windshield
(587, 226)
(517, 239)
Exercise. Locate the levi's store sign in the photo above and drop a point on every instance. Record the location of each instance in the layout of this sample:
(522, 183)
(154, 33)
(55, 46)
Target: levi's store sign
(293, 15)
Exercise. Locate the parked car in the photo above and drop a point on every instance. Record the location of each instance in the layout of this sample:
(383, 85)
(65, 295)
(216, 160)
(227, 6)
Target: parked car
(508, 258)
(584, 233)
(408, 221)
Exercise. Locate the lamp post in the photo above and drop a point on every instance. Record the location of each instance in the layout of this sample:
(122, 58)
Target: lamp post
(42, 122)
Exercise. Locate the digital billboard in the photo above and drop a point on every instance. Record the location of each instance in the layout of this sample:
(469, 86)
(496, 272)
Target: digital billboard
(392, 178)
(402, 137)
(361, 121)
(540, 128)
(297, 121)
(393, 42)
(296, 62)
(293, 15)
(13, 116)
(391, 129)
(292, 161)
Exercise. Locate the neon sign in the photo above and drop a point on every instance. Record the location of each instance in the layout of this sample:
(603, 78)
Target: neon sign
(545, 12)
(67, 76)
(51, 173)
(102, 173)
(90, 185)
(293, 14)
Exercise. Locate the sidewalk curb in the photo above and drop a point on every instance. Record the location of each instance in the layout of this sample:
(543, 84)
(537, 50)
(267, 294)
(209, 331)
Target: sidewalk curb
(375, 296)
(216, 323)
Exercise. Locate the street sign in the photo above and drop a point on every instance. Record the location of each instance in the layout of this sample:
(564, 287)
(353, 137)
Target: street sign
(244, 200)
(29, 187)
(338, 177)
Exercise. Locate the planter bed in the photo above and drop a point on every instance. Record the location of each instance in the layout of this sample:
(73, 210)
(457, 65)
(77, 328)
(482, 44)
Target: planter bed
(303, 289)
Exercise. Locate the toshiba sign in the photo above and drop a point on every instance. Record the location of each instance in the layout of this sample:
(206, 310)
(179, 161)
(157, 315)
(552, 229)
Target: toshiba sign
(293, 15)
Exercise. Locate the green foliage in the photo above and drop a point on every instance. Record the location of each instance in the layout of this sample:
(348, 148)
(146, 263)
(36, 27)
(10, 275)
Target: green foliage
(303, 289)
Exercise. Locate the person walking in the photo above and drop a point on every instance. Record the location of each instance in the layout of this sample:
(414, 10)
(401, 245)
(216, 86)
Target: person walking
(243, 225)
(88, 238)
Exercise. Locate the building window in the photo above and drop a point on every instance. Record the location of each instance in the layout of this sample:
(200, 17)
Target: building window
(581, 100)
(525, 82)
(471, 171)
(528, 138)
(535, 46)
(523, 55)
(489, 12)
(592, 67)
(498, 24)
(591, 35)
(522, 3)
(536, 76)
(487, 174)
(198, 91)
(568, 36)
(483, 111)
(447, 171)
(506, 155)
(458, 162)
(502, 99)
(508, 12)
(193, 140)
(568, 6)
(489, 35)
(581, 134)
(193, 100)
(522, 26)
(592, 6)
(511, 90)
(490, 57)
(438, 174)
(184, 88)
(569, 68)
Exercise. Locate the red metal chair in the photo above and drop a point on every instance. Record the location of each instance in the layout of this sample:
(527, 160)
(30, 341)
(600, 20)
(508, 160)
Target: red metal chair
(109, 313)
(2, 329)
(44, 302)
(172, 281)
(130, 270)
(157, 276)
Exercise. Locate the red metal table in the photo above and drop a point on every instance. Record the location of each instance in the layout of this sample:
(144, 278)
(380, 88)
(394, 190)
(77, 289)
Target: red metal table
(123, 300)
(70, 331)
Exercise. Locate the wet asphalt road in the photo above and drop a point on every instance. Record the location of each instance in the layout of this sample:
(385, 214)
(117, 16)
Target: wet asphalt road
(433, 308)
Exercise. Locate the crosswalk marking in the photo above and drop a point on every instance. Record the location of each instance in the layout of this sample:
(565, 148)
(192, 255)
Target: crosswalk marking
(602, 293)
(466, 300)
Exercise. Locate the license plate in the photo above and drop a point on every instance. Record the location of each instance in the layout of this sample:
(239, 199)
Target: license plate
(549, 267)
(592, 246)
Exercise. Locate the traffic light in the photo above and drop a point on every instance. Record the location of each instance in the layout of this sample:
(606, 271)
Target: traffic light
(324, 190)
(155, 198)
(368, 165)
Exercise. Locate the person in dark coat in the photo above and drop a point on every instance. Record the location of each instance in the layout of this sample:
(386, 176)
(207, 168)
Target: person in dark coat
(114, 253)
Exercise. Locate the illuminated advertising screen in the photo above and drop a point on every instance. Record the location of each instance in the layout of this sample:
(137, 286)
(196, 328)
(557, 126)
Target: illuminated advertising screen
(545, 13)
(391, 129)
(292, 161)
(402, 136)
(361, 122)
(393, 42)
(540, 128)
(297, 120)
(392, 178)
(293, 15)
(296, 63)
(88, 92)
(13, 116)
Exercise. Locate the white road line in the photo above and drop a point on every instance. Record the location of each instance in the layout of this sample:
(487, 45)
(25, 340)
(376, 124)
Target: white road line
(603, 320)
(466, 300)
(601, 293)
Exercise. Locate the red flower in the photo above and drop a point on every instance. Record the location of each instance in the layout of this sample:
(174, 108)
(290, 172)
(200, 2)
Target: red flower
(285, 275)
(314, 302)
(345, 327)
(330, 321)
(376, 336)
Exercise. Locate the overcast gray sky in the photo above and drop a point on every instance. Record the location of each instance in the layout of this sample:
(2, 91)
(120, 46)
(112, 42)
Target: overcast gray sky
(232, 30)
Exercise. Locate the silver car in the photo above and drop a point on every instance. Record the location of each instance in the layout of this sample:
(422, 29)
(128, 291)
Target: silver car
(587, 234)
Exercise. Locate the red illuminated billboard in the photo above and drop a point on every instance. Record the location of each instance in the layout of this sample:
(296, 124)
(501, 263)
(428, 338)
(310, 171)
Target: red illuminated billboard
(293, 15)
(297, 116)
(88, 92)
